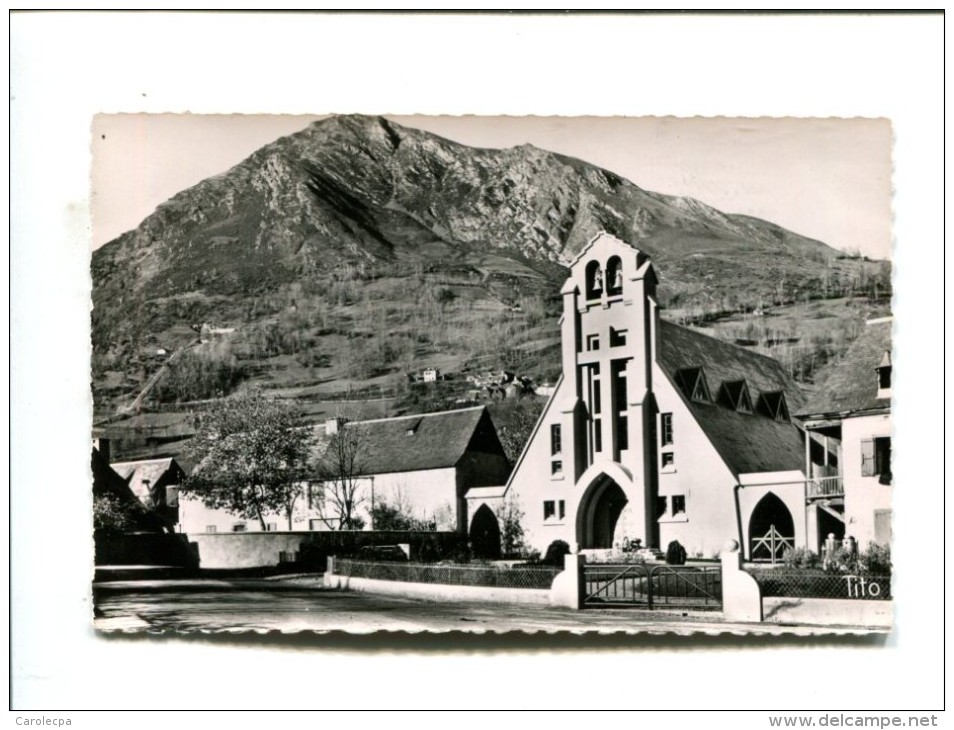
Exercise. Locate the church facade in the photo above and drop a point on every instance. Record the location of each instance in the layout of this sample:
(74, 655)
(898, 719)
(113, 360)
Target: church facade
(655, 432)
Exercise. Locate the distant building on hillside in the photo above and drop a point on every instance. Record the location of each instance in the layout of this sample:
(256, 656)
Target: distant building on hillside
(848, 458)
(430, 375)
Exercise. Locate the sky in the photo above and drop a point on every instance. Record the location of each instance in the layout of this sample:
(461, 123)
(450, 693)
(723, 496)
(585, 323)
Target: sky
(828, 179)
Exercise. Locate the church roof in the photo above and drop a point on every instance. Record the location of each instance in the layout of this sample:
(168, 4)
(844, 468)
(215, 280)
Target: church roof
(747, 442)
(852, 385)
(421, 442)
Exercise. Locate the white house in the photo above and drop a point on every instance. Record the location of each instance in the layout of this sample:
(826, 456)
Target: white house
(849, 455)
(424, 463)
(655, 432)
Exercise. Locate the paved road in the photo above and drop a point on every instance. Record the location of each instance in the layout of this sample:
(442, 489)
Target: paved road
(288, 606)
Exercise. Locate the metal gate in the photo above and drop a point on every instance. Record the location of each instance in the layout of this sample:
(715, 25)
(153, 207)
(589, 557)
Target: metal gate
(649, 587)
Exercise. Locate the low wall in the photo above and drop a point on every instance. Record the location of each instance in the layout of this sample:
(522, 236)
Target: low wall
(440, 592)
(828, 611)
(218, 550)
(144, 548)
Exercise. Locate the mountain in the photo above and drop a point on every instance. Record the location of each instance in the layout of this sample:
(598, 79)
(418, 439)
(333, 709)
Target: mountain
(358, 238)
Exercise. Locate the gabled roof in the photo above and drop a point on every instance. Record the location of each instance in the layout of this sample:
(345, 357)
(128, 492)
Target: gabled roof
(422, 441)
(747, 442)
(142, 476)
(852, 385)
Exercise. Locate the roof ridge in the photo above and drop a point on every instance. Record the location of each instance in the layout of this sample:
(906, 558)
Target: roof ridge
(142, 461)
(417, 415)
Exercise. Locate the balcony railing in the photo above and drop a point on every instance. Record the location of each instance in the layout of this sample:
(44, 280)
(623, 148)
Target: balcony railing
(824, 487)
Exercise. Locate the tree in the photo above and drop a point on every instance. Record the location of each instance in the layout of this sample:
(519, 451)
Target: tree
(252, 458)
(111, 515)
(515, 421)
(510, 517)
(340, 467)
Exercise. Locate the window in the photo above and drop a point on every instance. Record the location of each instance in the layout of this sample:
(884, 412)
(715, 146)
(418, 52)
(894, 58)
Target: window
(666, 429)
(876, 458)
(239, 527)
(554, 510)
(622, 432)
(594, 280)
(668, 460)
(597, 435)
(678, 504)
(211, 528)
(556, 439)
(617, 337)
(614, 276)
(597, 396)
(315, 494)
(884, 377)
(271, 527)
(556, 467)
(592, 342)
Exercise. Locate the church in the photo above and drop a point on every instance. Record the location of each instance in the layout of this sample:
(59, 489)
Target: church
(655, 432)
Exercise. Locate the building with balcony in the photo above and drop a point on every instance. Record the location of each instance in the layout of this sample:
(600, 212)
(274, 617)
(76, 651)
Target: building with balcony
(848, 446)
(656, 432)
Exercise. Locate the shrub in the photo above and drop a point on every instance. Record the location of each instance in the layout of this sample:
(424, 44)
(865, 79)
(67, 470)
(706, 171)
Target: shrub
(876, 560)
(556, 550)
(675, 553)
(800, 558)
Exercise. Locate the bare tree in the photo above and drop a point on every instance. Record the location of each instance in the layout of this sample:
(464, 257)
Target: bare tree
(340, 469)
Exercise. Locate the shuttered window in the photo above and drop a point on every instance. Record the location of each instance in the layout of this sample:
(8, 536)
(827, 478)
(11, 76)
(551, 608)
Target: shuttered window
(868, 458)
(876, 457)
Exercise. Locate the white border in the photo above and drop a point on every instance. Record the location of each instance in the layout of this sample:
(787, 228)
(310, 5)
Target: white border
(66, 67)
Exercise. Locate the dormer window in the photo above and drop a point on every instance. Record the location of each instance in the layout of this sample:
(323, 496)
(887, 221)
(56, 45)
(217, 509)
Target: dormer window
(884, 376)
(692, 381)
(773, 405)
(734, 394)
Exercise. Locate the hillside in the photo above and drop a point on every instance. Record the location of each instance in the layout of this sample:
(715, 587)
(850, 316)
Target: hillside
(339, 258)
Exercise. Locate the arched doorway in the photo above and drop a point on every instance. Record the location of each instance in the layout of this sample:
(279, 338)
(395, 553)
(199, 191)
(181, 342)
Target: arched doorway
(485, 534)
(771, 530)
(599, 513)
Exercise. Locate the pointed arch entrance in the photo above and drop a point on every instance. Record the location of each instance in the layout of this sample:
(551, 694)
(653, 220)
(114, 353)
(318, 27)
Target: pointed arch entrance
(485, 534)
(771, 529)
(599, 513)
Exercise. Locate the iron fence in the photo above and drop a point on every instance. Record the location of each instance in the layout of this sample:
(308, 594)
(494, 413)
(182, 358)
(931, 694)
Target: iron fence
(518, 576)
(653, 586)
(818, 584)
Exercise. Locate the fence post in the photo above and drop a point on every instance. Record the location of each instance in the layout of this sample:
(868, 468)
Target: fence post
(741, 596)
(568, 587)
(330, 579)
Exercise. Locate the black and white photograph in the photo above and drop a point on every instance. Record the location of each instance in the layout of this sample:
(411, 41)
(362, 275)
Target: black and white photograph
(396, 373)
(439, 360)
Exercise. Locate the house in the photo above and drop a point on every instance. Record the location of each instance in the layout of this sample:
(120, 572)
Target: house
(430, 375)
(155, 483)
(655, 432)
(422, 463)
(108, 485)
(848, 458)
